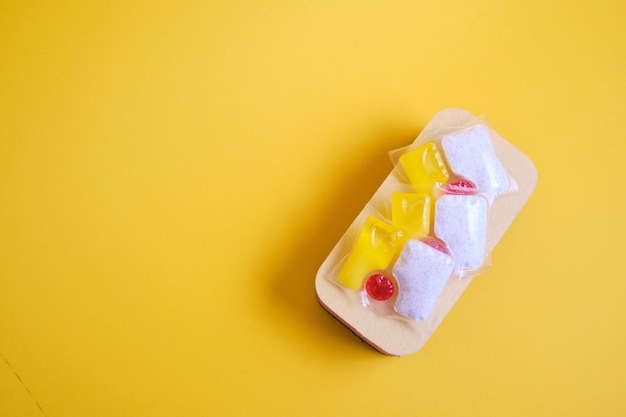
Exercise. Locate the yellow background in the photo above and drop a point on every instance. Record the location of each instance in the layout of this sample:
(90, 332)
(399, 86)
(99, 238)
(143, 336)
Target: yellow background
(172, 176)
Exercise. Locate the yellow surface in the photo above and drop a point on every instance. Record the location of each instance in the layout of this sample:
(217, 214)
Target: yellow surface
(171, 177)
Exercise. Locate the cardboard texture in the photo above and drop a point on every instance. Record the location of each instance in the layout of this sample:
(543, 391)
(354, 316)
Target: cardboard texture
(389, 334)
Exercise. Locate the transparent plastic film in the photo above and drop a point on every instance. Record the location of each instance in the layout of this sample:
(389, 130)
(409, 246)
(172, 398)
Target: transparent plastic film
(429, 225)
(426, 232)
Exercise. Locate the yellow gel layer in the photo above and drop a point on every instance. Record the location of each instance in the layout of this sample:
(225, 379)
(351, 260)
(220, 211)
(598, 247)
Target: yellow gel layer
(373, 250)
(424, 167)
(411, 211)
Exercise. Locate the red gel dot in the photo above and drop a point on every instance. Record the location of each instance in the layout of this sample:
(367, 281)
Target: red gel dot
(463, 187)
(437, 245)
(379, 287)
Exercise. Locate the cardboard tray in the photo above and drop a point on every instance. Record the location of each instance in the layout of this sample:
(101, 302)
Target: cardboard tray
(393, 336)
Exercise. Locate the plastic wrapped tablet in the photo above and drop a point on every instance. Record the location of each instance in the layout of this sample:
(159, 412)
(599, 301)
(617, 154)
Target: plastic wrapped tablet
(452, 194)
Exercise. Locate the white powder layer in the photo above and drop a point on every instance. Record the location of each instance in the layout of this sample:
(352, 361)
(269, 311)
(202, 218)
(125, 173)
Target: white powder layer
(470, 154)
(461, 222)
(421, 271)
